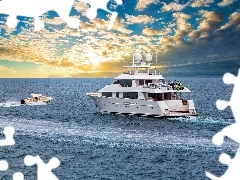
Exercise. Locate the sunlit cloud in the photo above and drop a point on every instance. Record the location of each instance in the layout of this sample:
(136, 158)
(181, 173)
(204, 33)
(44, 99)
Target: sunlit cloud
(140, 19)
(172, 7)
(234, 20)
(143, 4)
(151, 32)
(199, 3)
(225, 3)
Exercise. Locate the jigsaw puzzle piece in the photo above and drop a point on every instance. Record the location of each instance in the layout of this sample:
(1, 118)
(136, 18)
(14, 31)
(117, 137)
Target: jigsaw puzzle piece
(112, 20)
(221, 105)
(231, 131)
(12, 21)
(232, 172)
(8, 132)
(28, 8)
(18, 176)
(95, 5)
(3, 165)
(7, 8)
(234, 100)
(228, 78)
(36, 8)
(44, 170)
(63, 8)
(211, 176)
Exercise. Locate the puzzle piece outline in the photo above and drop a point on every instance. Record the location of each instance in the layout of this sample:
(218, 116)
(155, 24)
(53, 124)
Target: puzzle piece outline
(44, 170)
(233, 167)
(15, 8)
(9, 141)
(230, 131)
(92, 11)
(36, 10)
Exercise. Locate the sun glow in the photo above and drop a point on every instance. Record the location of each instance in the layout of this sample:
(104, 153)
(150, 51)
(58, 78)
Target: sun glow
(95, 61)
(94, 58)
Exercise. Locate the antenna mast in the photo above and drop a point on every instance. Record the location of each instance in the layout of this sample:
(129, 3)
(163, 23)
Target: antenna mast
(156, 59)
(133, 59)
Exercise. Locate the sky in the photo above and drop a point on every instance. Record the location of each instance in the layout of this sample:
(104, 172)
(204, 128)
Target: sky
(196, 38)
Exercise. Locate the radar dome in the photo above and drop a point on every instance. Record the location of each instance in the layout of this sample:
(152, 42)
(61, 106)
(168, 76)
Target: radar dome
(149, 57)
(138, 57)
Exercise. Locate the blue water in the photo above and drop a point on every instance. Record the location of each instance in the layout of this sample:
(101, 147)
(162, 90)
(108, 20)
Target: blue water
(91, 145)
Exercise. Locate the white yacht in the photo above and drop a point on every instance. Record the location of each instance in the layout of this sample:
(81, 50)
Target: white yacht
(140, 92)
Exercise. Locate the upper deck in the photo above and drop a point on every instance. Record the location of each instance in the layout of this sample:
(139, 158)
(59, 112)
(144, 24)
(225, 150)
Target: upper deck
(141, 71)
(146, 76)
(143, 78)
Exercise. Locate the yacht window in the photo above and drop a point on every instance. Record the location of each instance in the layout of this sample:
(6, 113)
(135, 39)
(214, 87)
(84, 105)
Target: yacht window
(117, 94)
(125, 82)
(115, 82)
(162, 81)
(148, 81)
(167, 96)
(130, 95)
(156, 96)
(141, 82)
(107, 94)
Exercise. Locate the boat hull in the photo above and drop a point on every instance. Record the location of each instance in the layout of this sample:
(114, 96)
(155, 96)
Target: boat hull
(143, 107)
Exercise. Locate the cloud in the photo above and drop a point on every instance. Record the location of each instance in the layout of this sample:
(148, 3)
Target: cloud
(120, 26)
(181, 21)
(172, 7)
(211, 22)
(225, 3)
(199, 3)
(7, 72)
(152, 32)
(140, 19)
(234, 20)
(143, 4)
(3, 68)
(81, 7)
(53, 21)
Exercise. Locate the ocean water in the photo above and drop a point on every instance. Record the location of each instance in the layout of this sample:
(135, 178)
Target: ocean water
(91, 145)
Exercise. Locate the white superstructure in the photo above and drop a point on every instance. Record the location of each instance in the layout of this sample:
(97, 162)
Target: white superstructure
(143, 93)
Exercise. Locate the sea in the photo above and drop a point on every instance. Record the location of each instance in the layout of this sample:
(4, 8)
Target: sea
(92, 145)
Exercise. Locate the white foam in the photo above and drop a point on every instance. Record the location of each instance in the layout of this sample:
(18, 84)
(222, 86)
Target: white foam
(201, 119)
(10, 104)
(16, 104)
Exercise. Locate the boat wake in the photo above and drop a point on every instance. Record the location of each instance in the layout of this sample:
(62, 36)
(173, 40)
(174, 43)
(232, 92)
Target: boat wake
(202, 119)
(64, 131)
(10, 104)
(16, 104)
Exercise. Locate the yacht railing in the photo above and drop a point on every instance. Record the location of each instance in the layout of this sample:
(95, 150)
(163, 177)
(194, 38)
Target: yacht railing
(133, 73)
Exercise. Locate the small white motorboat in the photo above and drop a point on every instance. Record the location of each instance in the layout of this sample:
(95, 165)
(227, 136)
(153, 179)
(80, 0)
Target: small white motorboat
(36, 99)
